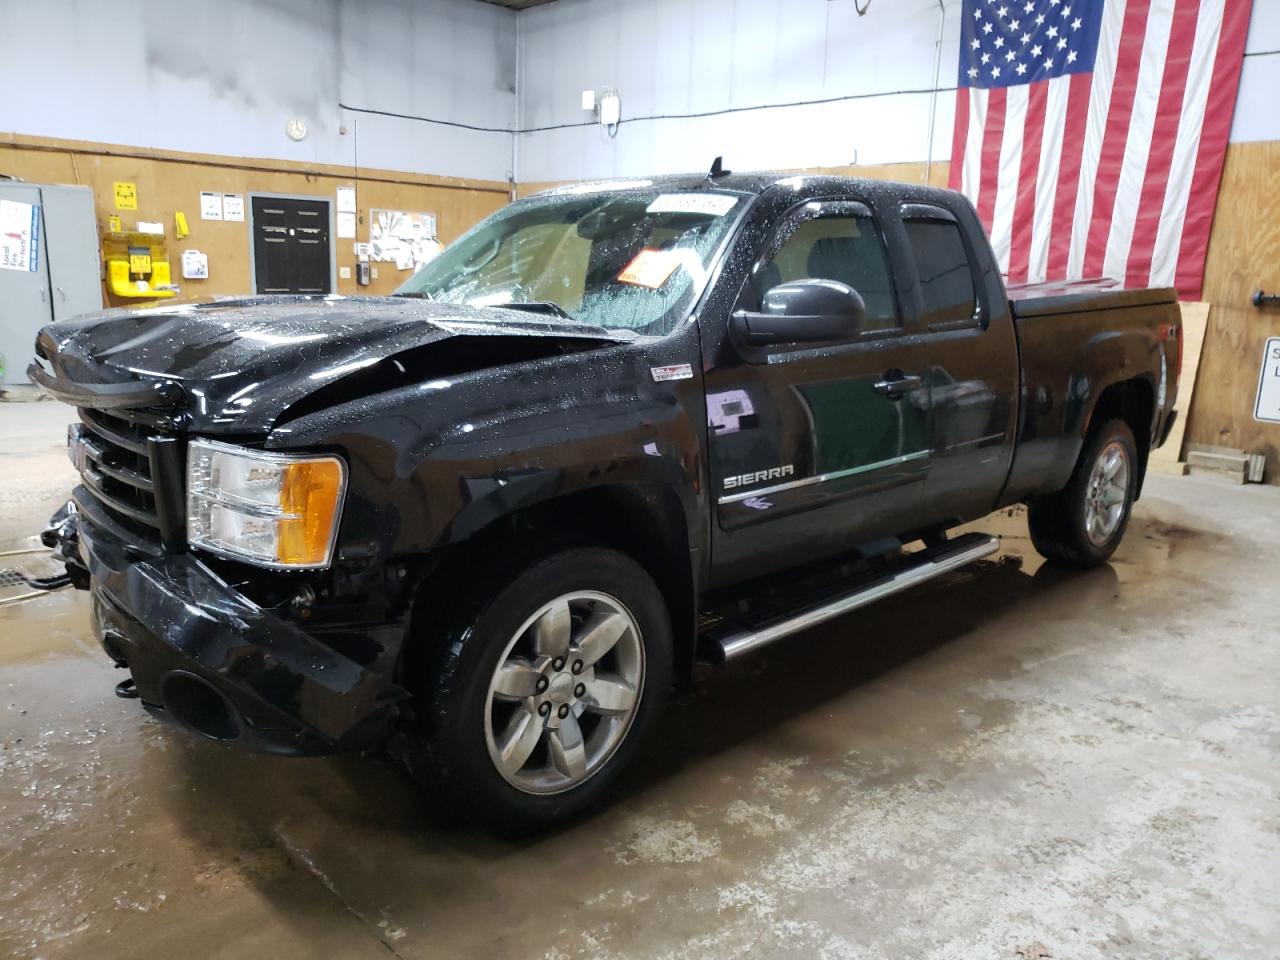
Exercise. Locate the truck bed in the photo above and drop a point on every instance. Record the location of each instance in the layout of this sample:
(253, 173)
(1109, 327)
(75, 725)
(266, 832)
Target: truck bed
(1074, 339)
(1081, 296)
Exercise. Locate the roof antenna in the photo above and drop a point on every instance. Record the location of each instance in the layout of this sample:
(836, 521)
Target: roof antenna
(717, 169)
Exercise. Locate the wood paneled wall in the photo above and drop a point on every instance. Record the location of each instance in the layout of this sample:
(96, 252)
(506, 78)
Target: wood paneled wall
(1244, 256)
(170, 182)
(1244, 251)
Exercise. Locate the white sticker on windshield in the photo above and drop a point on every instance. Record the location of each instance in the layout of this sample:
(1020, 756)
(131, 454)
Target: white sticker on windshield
(708, 204)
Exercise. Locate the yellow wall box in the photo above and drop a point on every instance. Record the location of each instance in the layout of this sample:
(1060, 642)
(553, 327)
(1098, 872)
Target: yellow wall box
(137, 265)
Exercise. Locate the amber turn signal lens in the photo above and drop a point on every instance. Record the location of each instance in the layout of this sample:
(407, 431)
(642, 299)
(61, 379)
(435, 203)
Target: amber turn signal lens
(310, 496)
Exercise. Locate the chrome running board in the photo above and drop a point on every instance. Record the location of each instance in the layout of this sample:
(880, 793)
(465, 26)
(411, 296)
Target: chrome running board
(726, 644)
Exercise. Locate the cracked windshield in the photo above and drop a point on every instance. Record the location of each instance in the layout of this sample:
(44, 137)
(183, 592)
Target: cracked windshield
(633, 260)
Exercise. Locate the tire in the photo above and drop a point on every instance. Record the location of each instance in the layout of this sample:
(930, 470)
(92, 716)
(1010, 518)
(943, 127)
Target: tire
(577, 708)
(1072, 527)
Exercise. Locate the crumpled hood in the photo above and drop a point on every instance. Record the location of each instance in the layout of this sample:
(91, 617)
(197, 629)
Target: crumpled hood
(237, 365)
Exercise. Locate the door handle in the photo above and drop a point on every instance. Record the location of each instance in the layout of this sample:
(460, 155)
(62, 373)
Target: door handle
(896, 387)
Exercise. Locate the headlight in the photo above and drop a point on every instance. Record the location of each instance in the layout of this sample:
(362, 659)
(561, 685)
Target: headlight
(272, 509)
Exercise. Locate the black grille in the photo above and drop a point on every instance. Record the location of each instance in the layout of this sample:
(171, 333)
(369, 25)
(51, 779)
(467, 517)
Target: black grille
(115, 456)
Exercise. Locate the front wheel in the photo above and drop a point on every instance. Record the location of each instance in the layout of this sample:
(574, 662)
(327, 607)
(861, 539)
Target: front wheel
(1083, 524)
(545, 689)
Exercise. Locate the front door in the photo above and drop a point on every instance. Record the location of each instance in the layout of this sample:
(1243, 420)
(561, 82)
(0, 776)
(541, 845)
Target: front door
(291, 246)
(817, 450)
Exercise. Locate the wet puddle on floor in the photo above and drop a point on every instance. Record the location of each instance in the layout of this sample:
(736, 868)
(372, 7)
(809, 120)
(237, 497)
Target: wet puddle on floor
(120, 834)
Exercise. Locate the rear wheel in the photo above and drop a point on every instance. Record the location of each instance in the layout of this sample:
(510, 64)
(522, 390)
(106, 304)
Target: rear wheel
(1083, 524)
(546, 687)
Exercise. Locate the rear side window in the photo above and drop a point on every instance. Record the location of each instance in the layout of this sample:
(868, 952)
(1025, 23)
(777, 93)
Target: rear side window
(942, 263)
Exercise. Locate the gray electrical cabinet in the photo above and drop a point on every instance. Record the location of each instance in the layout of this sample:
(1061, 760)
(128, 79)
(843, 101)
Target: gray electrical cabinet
(66, 280)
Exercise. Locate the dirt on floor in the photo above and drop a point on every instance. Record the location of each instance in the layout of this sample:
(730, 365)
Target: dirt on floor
(1018, 761)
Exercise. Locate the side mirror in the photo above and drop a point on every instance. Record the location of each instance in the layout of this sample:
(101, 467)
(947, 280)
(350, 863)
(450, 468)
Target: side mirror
(803, 311)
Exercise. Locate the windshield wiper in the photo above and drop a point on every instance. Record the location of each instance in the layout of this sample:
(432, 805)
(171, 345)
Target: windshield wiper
(414, 295)
(539, 306)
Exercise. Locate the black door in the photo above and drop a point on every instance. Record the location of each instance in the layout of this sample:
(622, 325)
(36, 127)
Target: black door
(291, 246)
(809, 455)
(972, 366)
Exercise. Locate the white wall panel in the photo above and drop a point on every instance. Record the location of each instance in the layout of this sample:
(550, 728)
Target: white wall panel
(1257, 117)
(698, 56)
(223, 76)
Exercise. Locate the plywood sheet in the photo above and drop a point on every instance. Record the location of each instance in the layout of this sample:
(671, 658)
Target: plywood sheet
(1244, 256)
(1195, 320)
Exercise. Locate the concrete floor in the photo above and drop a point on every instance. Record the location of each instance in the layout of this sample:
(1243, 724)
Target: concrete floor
(1018, 757)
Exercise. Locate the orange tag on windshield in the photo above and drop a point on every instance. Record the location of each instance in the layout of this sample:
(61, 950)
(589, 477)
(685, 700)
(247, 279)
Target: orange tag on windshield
(650, 268)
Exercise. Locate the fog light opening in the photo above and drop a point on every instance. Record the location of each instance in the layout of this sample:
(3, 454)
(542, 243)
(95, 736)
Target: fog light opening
(195, 704)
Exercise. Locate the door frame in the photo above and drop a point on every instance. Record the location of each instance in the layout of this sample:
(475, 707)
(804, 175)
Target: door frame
(333, 251)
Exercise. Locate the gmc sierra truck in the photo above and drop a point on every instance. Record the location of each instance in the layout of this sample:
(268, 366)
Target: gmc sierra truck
(490, 521)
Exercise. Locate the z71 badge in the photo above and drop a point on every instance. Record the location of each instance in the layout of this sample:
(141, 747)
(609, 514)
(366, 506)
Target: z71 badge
(747, 479)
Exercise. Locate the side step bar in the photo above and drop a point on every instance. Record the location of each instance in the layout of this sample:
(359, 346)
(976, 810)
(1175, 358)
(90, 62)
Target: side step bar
(726, 644)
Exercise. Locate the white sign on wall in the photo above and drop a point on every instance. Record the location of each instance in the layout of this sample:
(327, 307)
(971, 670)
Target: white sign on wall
(232, 206)
(19, 236)
(1268, 405)
(195, 265)
(210, 205)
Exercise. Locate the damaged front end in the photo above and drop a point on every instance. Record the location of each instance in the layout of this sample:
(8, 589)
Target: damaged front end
(291, 644)
(62, 536)
(203, 654)
(224, 649)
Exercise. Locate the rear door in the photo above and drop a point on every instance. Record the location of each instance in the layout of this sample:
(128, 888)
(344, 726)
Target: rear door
(815, 450)
(971, 359)
(291, 245)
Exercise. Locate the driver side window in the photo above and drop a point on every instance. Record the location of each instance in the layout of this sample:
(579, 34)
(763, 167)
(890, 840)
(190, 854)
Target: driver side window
(845, 248)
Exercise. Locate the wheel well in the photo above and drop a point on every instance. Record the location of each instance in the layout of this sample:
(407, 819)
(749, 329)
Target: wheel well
(1132, 401)
(646, 523)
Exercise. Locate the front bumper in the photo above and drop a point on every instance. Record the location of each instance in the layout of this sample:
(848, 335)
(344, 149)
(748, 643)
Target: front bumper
(203, 654)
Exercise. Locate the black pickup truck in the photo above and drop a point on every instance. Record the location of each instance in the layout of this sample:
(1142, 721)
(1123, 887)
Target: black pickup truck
(613, 429)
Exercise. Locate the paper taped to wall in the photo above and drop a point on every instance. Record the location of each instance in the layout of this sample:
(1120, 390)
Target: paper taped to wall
(19, 236)
(406, 239)
(126, 195)
(346, 199)
(210, 205)
(346, 225)
(232, 206)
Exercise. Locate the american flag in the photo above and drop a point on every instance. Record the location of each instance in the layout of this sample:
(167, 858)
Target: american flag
(1090, 134)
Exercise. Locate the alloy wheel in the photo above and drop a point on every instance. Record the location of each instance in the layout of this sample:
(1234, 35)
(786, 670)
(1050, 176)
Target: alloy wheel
(1106, 494)
(565, 692)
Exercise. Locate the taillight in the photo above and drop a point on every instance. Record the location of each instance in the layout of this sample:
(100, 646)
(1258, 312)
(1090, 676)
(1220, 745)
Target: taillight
(1177, 359)
(1174, 332)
